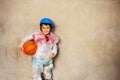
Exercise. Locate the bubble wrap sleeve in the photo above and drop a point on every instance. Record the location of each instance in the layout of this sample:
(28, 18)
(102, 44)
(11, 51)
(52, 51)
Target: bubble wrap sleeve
(29, 37)
(54, 50)
(55, 47)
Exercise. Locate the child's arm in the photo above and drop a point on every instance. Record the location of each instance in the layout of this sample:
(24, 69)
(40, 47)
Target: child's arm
(54, 52)
(54, 49)
(27, 38)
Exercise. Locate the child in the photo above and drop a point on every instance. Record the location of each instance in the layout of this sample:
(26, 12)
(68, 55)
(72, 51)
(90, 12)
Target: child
(46, 42)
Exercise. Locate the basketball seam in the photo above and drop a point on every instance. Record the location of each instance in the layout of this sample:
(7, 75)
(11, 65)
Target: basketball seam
(31, 50)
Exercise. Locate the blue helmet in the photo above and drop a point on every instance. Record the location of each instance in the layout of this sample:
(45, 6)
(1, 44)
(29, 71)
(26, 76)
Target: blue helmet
(47, 21)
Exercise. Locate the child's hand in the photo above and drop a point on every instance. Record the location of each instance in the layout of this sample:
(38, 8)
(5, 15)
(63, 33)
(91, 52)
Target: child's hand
(51, 56)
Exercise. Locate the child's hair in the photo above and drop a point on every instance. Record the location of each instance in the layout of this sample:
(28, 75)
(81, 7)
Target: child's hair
(45, 24)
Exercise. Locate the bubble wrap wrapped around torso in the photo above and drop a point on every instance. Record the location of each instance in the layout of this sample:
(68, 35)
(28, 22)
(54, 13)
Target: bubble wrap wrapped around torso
(45, 48)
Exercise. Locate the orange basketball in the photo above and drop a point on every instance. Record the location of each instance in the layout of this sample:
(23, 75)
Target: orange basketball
(29, 47)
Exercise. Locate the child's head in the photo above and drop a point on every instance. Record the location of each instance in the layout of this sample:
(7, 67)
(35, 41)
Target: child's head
(46, 25)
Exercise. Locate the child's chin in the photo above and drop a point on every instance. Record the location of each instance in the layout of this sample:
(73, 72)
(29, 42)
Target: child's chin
(46, 33)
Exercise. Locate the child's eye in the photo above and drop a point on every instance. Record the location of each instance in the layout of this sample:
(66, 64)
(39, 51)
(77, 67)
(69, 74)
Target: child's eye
(48, 28)
(43, 28)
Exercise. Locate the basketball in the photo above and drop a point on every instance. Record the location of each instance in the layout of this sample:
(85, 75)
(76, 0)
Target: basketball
(29, 48)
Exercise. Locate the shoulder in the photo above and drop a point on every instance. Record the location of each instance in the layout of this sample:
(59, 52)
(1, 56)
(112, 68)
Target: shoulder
(37, 35)
(54, 38)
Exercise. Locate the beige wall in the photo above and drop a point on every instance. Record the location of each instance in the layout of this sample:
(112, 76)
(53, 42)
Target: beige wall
(89, 32)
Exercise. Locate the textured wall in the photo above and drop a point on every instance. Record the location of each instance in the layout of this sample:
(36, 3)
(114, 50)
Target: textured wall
(89, 32)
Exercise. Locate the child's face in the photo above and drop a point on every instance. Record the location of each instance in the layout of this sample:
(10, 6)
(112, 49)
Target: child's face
(45, 29)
